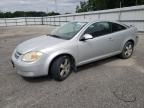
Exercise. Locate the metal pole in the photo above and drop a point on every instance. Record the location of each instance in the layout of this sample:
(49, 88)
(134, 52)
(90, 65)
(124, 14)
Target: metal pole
(47, 17)
(56, 5)
(16, 21)
(120, 3)
(42, 19)
(5, 19)
(25, 18)
(119, 15)
(59, 21)
(136, 2)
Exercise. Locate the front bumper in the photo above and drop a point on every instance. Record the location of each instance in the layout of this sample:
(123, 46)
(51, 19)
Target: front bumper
(35, 69)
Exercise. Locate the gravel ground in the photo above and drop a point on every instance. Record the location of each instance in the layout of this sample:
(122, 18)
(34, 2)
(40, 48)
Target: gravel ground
(109, 83)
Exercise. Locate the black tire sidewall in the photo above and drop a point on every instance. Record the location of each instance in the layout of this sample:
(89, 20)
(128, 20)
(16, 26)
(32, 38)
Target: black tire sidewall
(55, 70)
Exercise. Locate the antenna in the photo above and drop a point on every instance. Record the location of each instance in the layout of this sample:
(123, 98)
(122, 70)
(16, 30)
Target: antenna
(56, 5)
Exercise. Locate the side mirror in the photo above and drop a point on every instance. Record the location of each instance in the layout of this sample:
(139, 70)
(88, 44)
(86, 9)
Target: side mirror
(86, 37)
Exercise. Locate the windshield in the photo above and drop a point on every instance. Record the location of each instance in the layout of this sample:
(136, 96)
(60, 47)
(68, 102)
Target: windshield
(68, 31)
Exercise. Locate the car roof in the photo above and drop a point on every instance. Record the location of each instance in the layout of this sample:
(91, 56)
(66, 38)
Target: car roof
(94, 21)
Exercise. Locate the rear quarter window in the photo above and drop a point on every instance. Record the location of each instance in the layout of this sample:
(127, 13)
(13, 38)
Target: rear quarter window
(117, 27)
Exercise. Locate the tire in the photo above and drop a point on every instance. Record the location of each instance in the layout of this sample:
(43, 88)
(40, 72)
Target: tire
(127, 50)
(61, 68)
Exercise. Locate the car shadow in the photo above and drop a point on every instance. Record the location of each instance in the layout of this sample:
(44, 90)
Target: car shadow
(97, 63)
(38, 79)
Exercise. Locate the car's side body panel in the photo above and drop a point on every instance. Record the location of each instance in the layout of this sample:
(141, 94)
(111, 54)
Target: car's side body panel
(97, 48)
(103, 46)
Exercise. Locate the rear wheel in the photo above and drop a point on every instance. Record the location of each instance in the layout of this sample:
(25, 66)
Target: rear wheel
(127, 50)
(61, 68)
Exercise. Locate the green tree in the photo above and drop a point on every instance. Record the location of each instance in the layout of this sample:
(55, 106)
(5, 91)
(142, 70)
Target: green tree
(93, 5)
(26, 14)
(83, 7)
(53, 13)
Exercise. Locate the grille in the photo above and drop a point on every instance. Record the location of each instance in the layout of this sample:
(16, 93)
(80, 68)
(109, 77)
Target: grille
(17, 55)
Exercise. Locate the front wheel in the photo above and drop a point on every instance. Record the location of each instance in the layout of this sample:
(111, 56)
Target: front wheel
(127, 50)
(61, 68)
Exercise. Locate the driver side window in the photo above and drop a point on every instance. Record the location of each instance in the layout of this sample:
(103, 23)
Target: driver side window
(98, 29)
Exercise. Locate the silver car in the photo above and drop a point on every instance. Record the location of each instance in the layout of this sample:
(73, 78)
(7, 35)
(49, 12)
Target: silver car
(74, 44)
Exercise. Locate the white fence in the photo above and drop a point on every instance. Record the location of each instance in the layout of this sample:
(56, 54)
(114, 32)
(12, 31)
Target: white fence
(128, 15)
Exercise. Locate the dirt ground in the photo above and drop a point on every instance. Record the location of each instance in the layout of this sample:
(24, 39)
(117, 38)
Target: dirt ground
(109, 83)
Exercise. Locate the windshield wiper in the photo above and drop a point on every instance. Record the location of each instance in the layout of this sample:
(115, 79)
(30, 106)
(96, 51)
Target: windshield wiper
(54, 35)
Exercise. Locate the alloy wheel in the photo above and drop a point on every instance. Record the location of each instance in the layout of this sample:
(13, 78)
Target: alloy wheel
(128, 50)
(65, 68)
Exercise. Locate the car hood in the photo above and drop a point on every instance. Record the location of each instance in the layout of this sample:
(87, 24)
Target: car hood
(39, 43)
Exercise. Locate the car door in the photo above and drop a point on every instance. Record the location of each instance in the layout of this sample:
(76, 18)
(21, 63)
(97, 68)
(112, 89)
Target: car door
(100, 46)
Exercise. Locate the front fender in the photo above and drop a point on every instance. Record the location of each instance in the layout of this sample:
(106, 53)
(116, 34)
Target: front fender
(53, 55)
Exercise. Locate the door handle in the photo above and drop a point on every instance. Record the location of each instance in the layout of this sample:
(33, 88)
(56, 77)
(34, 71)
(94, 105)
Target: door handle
(110, 38)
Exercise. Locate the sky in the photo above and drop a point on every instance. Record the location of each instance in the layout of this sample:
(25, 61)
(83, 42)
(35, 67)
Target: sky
(63, 6)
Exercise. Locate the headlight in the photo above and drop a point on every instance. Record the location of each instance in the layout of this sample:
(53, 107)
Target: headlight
(31, 56)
